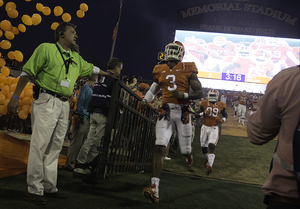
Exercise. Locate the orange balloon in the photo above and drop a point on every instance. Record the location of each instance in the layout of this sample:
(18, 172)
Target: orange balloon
(21, 104)
(10, 5)
(6, 101)
(1, 3)
(66, 17)
(5, 44)
(46, 11)
(39, 7)
(54, 25)
(15, 31)
(22, 28)
(19, 56)
(58, 10)
(13, 81)
(2, 62)
(2, 99)
(84, 7)
(9, 35)
(13, 87)
(27, 100)
(28, 93)
(22, 95)
(26, 19)
(1, 33)
(5, 25)
(11, 55)
(80, 13)
(3, 110)
(23, 114)
(2, 78)
(26, 108)
(28, 86)
(5, 90)
(5, 71)
(28, 0)
(8, 81)
(12, 13)
(9, 95)
(36, 19)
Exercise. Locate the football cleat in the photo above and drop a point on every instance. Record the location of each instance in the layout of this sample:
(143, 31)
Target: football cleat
(209, 170)
(205, 164)
(151, 193)
(189, 161)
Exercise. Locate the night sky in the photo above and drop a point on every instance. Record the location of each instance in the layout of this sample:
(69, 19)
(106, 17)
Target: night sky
(146, 26)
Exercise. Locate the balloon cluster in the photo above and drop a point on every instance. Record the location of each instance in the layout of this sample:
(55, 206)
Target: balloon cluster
(10, 31)
(8, 85)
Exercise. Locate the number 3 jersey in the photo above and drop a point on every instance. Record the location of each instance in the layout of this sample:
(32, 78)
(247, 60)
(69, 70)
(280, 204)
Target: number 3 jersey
(215, 111)
(176, 78)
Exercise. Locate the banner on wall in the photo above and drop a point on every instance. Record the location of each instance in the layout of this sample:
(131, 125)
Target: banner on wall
(239, 18)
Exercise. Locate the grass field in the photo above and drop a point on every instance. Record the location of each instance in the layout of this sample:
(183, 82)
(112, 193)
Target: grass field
(236, 158)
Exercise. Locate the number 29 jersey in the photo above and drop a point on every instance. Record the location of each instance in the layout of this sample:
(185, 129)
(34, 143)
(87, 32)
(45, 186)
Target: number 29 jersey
(176, 78)
(215, 111)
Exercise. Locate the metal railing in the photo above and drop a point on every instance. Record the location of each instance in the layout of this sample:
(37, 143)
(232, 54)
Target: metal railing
(128, 143)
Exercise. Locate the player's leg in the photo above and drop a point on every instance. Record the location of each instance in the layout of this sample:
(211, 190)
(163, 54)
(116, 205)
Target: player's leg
(239, 112)
(163, 135)
(184, 128)
(212, 142)
(243, 110)
(204, 143)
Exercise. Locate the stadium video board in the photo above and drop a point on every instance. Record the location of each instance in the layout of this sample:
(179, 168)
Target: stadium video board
(238, 58)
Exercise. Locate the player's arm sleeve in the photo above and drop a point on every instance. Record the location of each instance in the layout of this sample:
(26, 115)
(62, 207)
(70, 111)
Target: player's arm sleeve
(224, 114)
(154, 89)
(196, 87)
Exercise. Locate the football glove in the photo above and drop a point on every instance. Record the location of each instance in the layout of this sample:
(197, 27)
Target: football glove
(220, 120)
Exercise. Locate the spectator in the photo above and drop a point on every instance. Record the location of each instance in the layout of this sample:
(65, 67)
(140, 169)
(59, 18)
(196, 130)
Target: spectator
(98, 108)
(81, 128)
(55, 68)
(280, 118)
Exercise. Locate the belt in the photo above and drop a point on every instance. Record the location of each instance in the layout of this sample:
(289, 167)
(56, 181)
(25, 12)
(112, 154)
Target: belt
(62, 98)
(288, 200)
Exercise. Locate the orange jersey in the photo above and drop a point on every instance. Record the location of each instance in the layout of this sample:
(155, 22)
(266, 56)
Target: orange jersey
(254, 106)
(243, 99)
(244, 62)
(173, 79)
(215, 111)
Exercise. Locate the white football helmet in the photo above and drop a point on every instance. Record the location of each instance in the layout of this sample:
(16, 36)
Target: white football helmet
(244, 93)
(255, 99)
(190, 38)
(220, 40)
(213, 95)
(174, 50)
(243, 51)
(260, 56)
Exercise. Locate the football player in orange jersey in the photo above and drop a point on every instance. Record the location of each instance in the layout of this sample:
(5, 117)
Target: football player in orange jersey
(175, 78)
(242, 98)
(211, 109)
(253, 105)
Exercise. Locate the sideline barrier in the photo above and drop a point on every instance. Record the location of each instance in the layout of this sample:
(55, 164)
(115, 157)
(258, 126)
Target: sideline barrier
(127, 145)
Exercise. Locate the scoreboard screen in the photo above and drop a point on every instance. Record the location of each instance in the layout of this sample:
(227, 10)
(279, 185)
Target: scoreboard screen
(239, 58)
